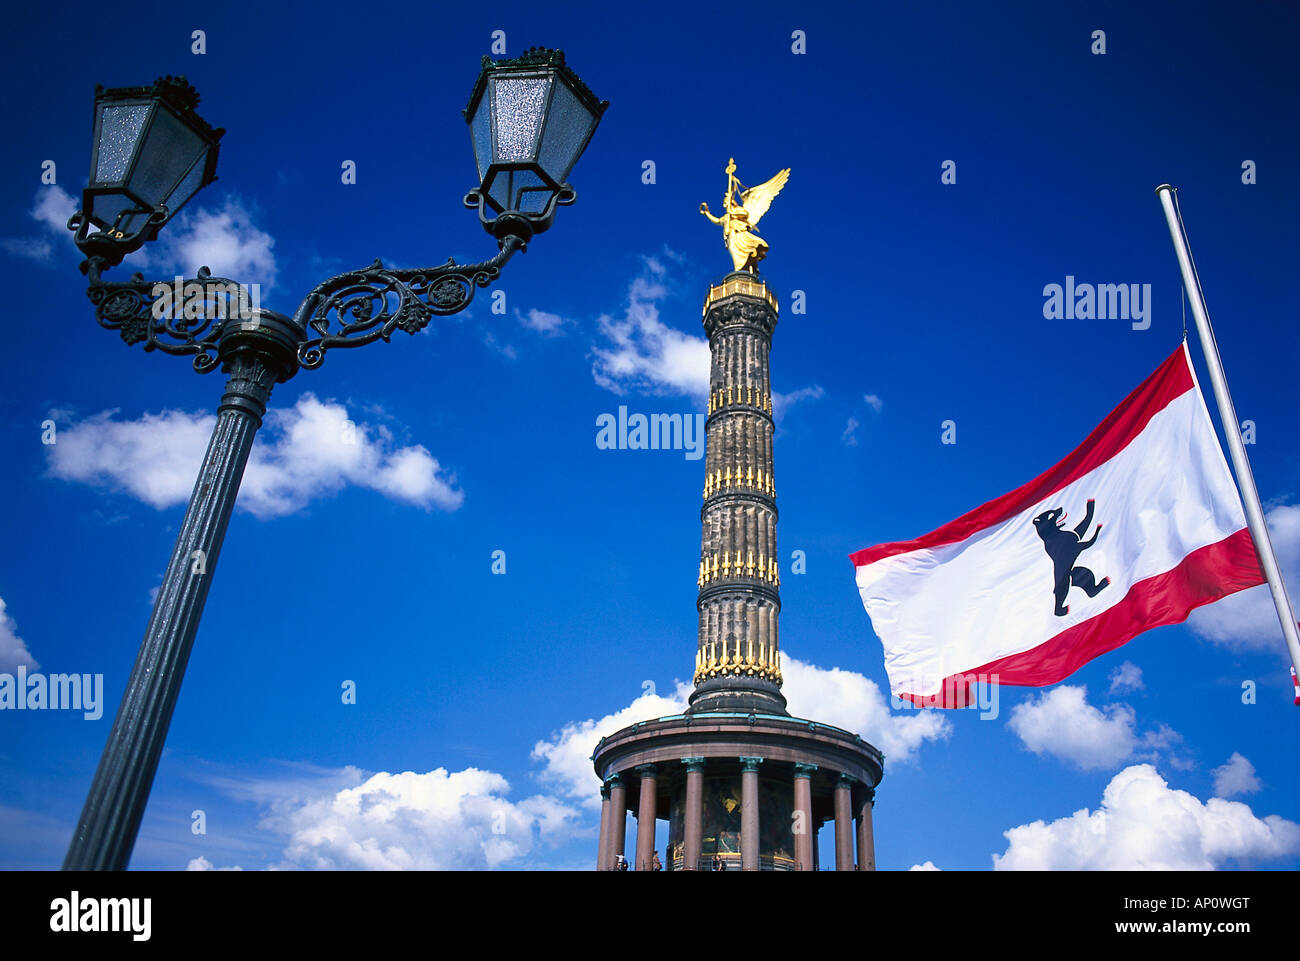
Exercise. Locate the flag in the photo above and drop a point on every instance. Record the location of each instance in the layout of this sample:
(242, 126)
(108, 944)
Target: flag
(1137, 527)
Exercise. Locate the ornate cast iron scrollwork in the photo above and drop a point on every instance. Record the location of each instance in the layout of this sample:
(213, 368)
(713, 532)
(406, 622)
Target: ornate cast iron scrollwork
(366, 305)
(132, 309)
(348, 310)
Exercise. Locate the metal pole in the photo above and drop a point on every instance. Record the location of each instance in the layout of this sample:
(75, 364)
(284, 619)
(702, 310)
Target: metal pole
(256, 354)
(1231, 426)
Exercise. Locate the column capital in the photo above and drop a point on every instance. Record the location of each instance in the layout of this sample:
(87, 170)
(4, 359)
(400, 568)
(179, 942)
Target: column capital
(647, 770)
(845, 780)
(605, 791)
(693, 764)
(804, 770)
(615, 780)
(750, 763)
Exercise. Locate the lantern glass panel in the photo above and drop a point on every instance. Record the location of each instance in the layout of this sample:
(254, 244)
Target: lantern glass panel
(107, 207)
(189, 186)
(519, 103)
(169, 151)
(481, 131)
(119, 129)
(531, 192)
(508, 188)
(567, 128)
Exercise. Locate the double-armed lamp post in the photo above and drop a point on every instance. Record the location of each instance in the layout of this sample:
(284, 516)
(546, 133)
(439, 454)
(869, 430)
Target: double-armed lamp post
(530, 119)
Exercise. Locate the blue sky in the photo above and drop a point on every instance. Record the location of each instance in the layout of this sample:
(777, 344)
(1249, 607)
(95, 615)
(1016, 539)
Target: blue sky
(480, 695)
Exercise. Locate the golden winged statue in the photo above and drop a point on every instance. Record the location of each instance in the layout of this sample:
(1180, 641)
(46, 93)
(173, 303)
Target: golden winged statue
(740, 219)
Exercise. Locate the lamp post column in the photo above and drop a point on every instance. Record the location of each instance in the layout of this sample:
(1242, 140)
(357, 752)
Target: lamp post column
(256, 354)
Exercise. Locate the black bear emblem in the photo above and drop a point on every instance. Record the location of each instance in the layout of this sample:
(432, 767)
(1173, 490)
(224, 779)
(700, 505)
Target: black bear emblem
(1064, 547)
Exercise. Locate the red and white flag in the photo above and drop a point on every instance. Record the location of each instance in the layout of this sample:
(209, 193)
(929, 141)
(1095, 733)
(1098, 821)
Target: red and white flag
(1135, 529)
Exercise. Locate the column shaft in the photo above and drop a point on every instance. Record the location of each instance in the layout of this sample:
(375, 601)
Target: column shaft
(843, 826)
(693, 833)
(866, 835)
(617, 824)
(645, 818)
(749, 815)
(602, 848)
(803, 838)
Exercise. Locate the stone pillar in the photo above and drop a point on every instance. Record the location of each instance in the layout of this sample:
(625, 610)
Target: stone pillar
(738, 554)
(693, 828)
(844, 823)
(866, 836)
(645, 817)
(618, 820)
(602, 848)
(749, 827)
(804, 830)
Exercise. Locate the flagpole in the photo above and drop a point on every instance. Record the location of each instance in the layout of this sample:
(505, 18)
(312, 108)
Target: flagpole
(1231, 426)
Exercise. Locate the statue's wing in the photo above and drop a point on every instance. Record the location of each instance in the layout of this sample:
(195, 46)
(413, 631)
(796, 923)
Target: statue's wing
(756, 200)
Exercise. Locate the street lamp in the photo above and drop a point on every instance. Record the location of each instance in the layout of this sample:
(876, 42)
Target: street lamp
(530, 119)
(530, 122)
(151, 154)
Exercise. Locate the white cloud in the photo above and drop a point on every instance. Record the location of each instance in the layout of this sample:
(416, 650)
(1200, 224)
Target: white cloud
(33, 248)
(224, 240)
(567, 755)
(433, 821)
(13, 650)
(1125, 678)
(1248, 620)
(781, 403)
(1237, 776)
(874, 402)
(54, 206)
(505, 349)
(644, 353)
(155, 458)
(849, 437)
(51, 209)
(927, 866)
(854, 702)
(203, 864)
(1062, 723)
(1143, 824)
(347, 819)
(542, 322)
(310, 450)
